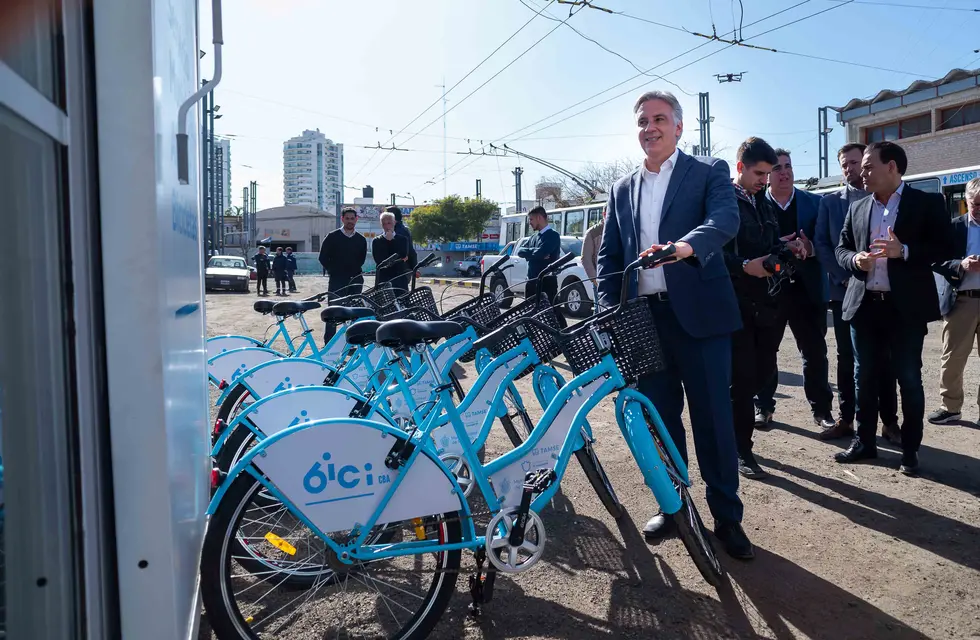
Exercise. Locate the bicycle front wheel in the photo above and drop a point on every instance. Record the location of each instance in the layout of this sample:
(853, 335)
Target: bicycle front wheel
(400, 598)
(599, 480)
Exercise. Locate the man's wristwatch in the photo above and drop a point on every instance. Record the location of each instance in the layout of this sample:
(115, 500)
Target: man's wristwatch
(745, 262)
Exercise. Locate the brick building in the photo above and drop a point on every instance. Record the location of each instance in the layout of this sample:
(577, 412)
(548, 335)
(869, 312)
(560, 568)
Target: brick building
(937, 123)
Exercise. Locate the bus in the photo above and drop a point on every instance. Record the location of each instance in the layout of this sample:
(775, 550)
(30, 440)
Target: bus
(567, 221)
(951, 183)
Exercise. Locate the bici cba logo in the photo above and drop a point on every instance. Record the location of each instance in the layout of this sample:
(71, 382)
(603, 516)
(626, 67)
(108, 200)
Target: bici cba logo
(348, 476)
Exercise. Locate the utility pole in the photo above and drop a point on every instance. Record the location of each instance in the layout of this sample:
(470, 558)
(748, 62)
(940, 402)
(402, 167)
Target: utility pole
(253, 189)
(704, 120)
(518, 172)
(212, 184)
(823, 143)
(246, 223)
(392, 199)
(479, 189)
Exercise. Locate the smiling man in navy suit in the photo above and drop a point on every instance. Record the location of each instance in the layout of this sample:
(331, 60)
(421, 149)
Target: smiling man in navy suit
(673, 198)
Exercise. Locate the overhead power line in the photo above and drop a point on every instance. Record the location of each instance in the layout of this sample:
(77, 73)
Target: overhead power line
(468, 74)
(911, 6)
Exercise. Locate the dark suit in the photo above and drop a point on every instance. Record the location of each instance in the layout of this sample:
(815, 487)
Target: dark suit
(695, 323)
(540, 250)
(950, 269)
(805, 310)
(830, 221)
(894, 321)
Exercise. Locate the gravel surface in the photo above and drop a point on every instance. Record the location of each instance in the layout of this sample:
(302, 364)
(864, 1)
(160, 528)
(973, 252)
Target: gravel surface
(856, 551)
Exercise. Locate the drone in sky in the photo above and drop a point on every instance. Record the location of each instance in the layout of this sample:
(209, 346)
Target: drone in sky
(730, 77)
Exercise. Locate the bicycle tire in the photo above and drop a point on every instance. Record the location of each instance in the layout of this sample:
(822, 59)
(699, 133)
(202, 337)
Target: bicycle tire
(693, 534)
(690, 527)
(599, 480)
(230, 406)
(227, 621)
(517, 433)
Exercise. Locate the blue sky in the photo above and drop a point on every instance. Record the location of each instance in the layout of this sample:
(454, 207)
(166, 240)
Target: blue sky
(351, 67)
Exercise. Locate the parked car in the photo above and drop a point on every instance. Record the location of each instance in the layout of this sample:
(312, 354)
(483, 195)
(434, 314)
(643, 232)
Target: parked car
(574, 288)
(469, 267)
(227, 272)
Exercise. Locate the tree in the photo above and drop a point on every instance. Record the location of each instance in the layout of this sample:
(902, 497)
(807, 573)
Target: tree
(569, 194)
(451, 219)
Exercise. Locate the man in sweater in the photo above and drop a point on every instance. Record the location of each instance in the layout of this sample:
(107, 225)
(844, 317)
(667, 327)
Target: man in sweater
(342, 255)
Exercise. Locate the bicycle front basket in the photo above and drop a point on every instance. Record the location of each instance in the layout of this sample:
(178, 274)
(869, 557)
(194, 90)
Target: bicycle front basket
(482, 309)
(545, 344)
(420, 297)
(633, 342)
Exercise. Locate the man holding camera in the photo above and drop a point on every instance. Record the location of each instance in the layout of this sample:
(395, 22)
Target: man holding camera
(757, 259)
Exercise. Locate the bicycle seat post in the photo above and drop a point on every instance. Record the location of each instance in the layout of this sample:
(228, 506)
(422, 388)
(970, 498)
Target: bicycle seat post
(431, 362)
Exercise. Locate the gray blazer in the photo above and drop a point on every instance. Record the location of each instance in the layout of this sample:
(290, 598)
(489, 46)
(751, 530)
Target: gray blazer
(949, 273)
(590, 250)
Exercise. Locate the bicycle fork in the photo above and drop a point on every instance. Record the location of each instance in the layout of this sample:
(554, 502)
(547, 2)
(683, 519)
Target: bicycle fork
(633, 423)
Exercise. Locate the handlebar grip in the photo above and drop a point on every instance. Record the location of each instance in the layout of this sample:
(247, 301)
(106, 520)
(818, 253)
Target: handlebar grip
(652, 259)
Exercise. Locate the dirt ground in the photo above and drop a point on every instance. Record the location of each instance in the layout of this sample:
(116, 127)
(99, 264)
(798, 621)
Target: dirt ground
(855, 551)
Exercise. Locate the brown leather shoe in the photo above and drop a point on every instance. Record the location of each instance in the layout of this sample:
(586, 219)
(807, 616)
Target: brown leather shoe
(840, 429)
(892, 433)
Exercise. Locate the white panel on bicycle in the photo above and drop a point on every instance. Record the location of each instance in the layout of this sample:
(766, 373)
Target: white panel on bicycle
(231, 365)
(445, 356)
(509, 481)
(335, 348)
(220, 344)
(289, 373)
(473, 418)
(336, 475)
(295, 406)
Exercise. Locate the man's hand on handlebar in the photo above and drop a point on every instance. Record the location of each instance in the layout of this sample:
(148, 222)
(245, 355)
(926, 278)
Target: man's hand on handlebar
(682, 251)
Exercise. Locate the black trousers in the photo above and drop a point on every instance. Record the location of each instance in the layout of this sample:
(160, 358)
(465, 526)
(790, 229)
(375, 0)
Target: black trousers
(808, 322)
(887, 396)
(877, 329)
(338, 287)
(549, 287)
(280, 277)
(292, 283)
(754, 349)
(261, 282)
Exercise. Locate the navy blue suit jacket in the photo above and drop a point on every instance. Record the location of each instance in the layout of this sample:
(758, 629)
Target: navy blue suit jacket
(540, 250)
(700, 209)
(830, 221)
(813, 276)
(950, 270)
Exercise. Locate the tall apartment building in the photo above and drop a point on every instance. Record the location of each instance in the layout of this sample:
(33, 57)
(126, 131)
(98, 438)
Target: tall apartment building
(222, 161)
(313, 171)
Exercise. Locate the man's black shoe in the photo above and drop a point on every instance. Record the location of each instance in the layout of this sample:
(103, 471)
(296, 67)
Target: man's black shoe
(763, 419)
(856, 452)
(659, 527)
(941, 416)
(734, 540)
(910, 464)
(749, 467)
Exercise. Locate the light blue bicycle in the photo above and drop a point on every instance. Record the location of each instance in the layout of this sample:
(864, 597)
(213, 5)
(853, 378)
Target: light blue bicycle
(392, 515)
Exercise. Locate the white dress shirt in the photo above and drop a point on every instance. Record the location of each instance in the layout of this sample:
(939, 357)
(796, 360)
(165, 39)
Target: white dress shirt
(653, 189)
(349, 235)
(772, 199)
(882, 217)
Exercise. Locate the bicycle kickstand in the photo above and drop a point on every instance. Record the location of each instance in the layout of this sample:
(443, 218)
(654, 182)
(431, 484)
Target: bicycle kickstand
(481, 585)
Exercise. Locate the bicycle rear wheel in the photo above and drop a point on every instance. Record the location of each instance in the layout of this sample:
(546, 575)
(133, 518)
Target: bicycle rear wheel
(401, 598)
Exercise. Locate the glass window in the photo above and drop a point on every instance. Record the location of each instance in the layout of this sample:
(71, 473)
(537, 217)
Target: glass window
(575, 223)
(554, 219)
(917, 126)
(960, 116)
(33, 50)
(595, 217)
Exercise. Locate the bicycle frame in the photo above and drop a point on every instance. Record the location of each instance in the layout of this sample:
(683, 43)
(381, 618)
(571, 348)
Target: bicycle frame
(571, 403)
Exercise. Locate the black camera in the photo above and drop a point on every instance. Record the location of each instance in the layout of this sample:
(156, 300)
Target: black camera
(780, 264)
